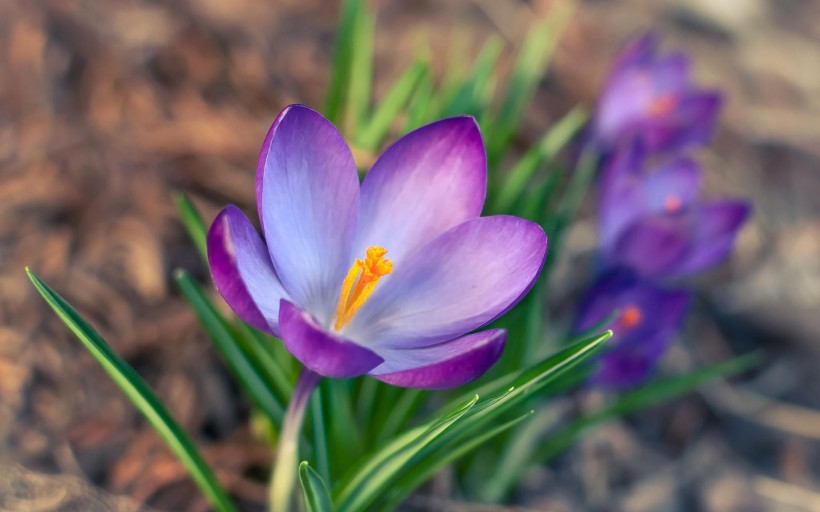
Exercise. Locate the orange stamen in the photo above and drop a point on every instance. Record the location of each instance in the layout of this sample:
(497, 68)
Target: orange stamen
(630, 318)
(359, 284)
(663, 104)
(672, 203)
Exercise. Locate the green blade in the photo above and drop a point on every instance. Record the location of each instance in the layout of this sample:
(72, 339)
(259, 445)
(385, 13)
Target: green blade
(530, 67)
(247, 374)
(342, 59)
(361, 72)
(314, 490)
(373, 133)
(193, 223)
(547, 148)
(140, 395)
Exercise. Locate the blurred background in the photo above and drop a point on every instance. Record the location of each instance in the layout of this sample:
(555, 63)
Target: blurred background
(107, 108)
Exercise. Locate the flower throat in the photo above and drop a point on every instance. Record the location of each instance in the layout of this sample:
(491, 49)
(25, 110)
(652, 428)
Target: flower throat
(359, 284)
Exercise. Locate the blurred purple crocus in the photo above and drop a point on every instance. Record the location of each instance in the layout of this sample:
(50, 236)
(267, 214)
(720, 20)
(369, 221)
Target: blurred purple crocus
(655, 223)
(321, 278)
(647, 320)
(651, 97)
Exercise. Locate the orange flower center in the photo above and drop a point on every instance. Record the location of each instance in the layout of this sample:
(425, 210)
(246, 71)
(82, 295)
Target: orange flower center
(663, 104)
(672, 203)
(359, 284)
(630, 318)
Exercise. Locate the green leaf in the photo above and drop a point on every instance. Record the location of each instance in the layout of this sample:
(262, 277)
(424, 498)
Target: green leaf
(419, 473)
(193, 223)
(361, 71)
(243, 369)
(373, 479)
(462, 422)
(530, 67)
(373, 133)
(647, 395)
(547, 148)
(140, 395)
(342, 58)
(314, 489)
(473, 94)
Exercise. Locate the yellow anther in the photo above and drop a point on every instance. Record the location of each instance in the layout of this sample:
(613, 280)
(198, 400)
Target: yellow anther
(359, 284)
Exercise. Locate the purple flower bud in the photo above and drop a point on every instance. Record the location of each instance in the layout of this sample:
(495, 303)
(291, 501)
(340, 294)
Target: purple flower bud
(650, 97)
(646, 320)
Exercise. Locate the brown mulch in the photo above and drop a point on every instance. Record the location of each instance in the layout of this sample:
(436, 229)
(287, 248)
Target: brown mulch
(108, 108)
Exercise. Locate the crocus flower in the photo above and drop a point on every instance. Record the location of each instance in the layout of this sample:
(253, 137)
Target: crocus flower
(386, 278)
(656, 223)
(647, 318)
(651, 97)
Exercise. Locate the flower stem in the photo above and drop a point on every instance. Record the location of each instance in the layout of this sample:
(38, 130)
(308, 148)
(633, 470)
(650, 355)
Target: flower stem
(283, 478)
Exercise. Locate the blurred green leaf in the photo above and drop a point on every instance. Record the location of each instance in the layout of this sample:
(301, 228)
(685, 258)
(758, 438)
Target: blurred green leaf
(361, 71)
(193, 223)
(256, 385)
(314, 489)
(530, 66)
(373, 132)
(140, 395)
(544, 151)
(472, 95)
(342, 58)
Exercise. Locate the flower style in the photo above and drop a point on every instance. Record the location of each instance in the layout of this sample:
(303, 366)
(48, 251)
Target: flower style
(655, 222)
(322, 281)
(648, 318)
(651, 97)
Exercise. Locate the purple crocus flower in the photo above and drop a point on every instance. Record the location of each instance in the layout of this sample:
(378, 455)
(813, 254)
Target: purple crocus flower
(322, 281)
(655, 222)
(647, 319)
(651, 97)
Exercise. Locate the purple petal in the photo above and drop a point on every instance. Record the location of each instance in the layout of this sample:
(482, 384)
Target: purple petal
(621, 193)
(639, 52)
(716, 228)
(654, 245)
(320, 351)
(674, 186)
(691, 123)
(260, 164)
(463, 279)
(446, 365)
(242, 270)
(430, 180)
(309, 204)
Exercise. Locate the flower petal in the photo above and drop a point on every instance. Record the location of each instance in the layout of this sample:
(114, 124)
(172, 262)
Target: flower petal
(654, 245)
(262, 161)
(463, 279)
(320, 351)
(674, 186)
(445, 365)
(309, 204)
(430, 180)
(716, 228)
(242, 270)
(691, 123)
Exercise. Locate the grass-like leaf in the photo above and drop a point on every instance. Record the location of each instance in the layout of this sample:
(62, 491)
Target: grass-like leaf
(253, 382)
(375, 130)
(193, 223)
(530, 66)
(314, 489)
(141, 395)
(342, 59)
(361, 72)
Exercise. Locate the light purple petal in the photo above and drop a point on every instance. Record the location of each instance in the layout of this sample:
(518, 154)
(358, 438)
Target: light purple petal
(692, 122)
(430, 180)
(242, 270)
(445, 365)
(621, 193)
(674, 186)
(260, 164)
(321, 351)
(310, 200)
(462, 280)
(716, 229)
